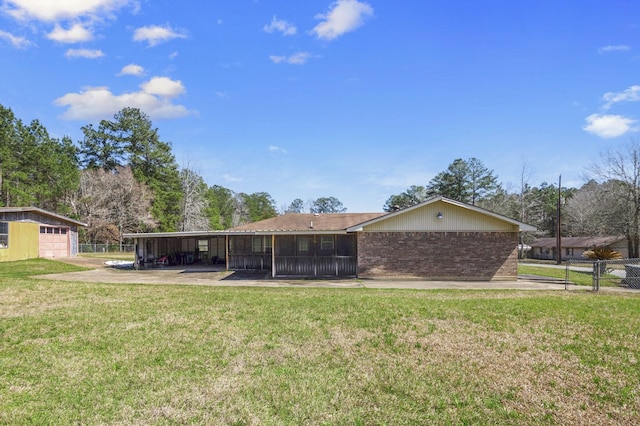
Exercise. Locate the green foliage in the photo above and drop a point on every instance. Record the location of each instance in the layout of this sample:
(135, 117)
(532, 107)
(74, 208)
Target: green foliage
(221, 207)
(601, 253)
(412, 196)
(296, 206)
(35, 169)
(327, 205)
(468, 181)
(257, 206)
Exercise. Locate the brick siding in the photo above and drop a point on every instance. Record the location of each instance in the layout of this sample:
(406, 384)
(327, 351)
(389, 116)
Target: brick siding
(438, 255)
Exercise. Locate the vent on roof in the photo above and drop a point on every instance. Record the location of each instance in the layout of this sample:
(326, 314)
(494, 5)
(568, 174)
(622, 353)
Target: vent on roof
(316, 214)
(311, 225)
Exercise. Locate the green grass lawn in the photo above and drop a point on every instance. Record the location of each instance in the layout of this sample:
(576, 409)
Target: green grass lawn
(83, 353)
(575, 277)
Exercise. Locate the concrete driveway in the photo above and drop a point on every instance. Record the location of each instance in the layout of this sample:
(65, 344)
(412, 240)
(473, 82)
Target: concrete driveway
(210, 276)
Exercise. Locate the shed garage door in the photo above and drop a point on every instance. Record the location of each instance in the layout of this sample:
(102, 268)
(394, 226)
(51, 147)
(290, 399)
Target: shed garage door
(54, 241)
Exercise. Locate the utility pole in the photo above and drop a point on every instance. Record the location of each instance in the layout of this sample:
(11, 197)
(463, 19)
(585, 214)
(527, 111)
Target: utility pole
(558, 224)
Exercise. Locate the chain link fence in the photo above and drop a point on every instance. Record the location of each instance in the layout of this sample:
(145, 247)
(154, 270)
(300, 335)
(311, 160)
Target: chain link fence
(607, 273)
(106, 248)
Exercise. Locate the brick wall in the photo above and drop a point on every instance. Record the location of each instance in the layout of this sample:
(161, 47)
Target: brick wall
(438, 255)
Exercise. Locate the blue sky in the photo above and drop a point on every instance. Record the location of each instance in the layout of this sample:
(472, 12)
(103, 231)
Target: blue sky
(352, 99)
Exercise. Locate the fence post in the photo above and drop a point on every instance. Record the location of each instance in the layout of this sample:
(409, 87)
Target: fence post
(596, 276)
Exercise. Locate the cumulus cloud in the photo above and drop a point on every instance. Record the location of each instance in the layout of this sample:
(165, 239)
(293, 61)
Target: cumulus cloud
(57, 10)
(15, 41)
(163, 86)
(344, 16)
(608, 126)
(156, 34)
(154, 98)
(131, 69)
(280, 25)
(632, 94)
(77, 33)
(84, 53)
(299, 58)
(617, 48)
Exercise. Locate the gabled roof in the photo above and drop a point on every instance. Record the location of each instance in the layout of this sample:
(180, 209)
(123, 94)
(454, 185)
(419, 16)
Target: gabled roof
(522, 226)
(307, 222)
(577, 242)
(42, 213)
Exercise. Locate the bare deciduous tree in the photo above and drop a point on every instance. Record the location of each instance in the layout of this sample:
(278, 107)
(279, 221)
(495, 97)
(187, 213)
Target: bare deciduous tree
(112, 203)
(194, 202)
(622, 167)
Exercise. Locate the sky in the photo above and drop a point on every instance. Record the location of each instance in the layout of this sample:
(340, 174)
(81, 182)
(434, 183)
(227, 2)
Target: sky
(353, 99)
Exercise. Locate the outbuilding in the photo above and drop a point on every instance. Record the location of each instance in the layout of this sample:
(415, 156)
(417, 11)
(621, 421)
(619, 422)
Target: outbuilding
(30, 232)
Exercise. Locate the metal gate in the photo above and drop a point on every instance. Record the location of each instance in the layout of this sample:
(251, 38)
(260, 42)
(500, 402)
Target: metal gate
(608, 273)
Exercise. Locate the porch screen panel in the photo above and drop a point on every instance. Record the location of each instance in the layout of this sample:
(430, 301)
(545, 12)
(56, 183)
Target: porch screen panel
(346, 245)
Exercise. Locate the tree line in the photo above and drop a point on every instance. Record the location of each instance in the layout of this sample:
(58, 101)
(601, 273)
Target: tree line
(122, 177)
(608, 204)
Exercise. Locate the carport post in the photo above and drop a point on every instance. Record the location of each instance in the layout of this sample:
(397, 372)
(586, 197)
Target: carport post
(273, 255)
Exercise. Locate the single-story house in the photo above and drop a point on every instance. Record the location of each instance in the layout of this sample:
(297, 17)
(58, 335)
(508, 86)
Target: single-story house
(573, 247)
(30, 232)
(436, 239)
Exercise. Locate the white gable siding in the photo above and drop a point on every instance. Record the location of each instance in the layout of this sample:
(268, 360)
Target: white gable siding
(454, 218)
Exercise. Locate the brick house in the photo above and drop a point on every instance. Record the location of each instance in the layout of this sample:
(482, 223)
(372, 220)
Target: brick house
(437, 239)
(573, 247)
(30, 232)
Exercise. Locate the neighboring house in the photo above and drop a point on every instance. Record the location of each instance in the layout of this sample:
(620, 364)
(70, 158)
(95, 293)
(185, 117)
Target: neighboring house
(437, 239)
(573, 247)
(30, 232)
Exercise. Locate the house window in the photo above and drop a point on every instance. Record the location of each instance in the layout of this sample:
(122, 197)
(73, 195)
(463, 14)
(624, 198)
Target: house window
(261, 244)
(569, 251)
(4, 234)
(326, 243)
(303, 244)
(203, 246)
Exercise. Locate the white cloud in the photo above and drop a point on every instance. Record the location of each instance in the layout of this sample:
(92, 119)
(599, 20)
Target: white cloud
(345, 16)
(154, 99)
(280, 25)
(632, 94)
(163, 86)
(131, 69)
(156, 34)
(274, 148)
(15, 41)
(84, 53)
(229, 178)
(56, 10)
(617, 48)
(298, 58)
(608, 126)
(77, 33)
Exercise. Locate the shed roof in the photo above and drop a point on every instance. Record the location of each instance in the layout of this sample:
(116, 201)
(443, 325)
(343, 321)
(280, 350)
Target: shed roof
(41, 212)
